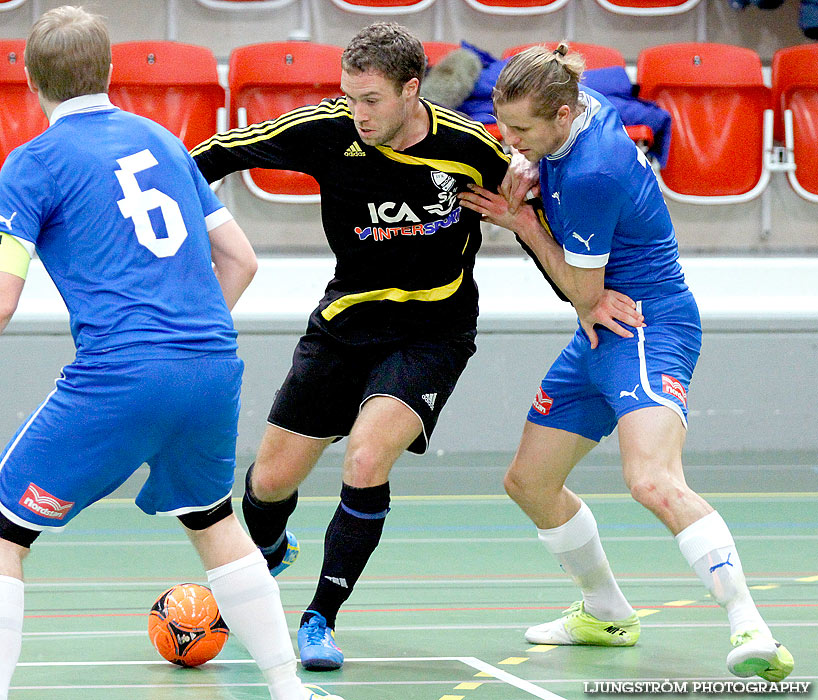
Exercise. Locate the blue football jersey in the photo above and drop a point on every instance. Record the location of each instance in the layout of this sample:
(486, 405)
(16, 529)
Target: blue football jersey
(605, 207)
(119, 215)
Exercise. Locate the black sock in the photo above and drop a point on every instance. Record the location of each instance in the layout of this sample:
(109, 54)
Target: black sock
(267, 522)
(352, 536)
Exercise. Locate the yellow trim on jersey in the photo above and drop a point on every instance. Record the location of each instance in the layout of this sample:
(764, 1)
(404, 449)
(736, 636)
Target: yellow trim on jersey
(446, 166)
(393, 294)
(14, 257)
(457, 121)
(544, 222)
(261, 131)
(433, 112)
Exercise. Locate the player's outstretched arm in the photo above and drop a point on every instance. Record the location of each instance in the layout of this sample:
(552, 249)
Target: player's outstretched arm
(234, 260)
(11, 287)
(14, 261)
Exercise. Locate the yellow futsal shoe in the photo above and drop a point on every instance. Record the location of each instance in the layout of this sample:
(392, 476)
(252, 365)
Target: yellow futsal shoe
(313, 692)
(756, 654)
(578, 627)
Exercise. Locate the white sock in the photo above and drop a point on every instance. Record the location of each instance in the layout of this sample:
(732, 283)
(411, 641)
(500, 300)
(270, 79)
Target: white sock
(11, 629)
(577, 547)
(250, 604)
(708, 547)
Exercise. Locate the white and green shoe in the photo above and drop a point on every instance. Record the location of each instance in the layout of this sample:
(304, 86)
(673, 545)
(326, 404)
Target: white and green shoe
(579, 627)
(756, 654)
(314, 692)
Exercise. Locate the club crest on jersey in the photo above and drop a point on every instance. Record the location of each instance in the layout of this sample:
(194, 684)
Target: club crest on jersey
(674, 388)
(39, 501)
(542, 402)
(447, 197)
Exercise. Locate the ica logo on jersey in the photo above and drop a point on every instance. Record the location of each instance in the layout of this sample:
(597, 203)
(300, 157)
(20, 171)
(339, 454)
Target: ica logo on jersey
(407, 220)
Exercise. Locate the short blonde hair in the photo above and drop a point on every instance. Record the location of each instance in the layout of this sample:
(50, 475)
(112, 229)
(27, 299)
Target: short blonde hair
(68, 53)
(550, 78)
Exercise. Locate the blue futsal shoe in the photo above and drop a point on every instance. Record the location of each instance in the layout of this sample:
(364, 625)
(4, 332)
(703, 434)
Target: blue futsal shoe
(316, 644)
(290, 554)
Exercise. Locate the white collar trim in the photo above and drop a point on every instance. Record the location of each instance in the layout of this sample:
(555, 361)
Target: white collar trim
(582, 122)
(83, 103)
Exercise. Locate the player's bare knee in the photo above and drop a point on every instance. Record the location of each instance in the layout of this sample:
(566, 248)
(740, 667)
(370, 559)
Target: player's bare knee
(514, 485)
(270, 481)
(365, 466)
(660, 496)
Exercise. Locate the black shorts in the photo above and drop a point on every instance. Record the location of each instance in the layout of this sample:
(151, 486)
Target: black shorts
(330, 381)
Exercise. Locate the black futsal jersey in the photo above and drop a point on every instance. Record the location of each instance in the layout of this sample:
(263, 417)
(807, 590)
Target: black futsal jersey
(404, 246)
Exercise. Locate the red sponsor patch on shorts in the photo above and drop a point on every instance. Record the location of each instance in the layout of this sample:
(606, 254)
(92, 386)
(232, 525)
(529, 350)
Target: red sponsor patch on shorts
(674, 388)
(39, 501)
(542, 402)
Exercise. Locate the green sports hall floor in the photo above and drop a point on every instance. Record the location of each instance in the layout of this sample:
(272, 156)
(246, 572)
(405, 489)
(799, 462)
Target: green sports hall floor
(441, 610)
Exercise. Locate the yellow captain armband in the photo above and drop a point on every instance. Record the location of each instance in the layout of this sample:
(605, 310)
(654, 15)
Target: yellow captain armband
(14, 258)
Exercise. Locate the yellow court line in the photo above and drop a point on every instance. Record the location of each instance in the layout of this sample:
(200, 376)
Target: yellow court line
(645, 612)
(808, 579)
(468, 686)
(765, 587)
(513, 661)
(542, 648)
(678, 603)
(452, 697)
(483, 674)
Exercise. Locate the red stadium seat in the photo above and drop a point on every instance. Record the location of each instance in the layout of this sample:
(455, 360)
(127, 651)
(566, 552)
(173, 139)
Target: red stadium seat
(648, 7)
(435, 50)
(269, 79)
(10, 4)
(722, 121)
(21, 118)
(517, 7)
(795, 100)
(239, 5)
(176, 85)
(383, 7)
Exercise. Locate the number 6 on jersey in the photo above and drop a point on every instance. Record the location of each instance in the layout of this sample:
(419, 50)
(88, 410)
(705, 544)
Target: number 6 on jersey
(136, 204)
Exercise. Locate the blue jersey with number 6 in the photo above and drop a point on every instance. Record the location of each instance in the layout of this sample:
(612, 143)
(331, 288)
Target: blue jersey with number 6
(119, 215)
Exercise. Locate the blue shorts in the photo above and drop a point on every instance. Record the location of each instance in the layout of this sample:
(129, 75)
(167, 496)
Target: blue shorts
(587, 391)
(103, 420)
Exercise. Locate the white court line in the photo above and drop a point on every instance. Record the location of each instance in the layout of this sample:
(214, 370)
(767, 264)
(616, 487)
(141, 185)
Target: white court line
(422, 628)
(413, 540)
(475, 663)
(533, 580)
(526, 686)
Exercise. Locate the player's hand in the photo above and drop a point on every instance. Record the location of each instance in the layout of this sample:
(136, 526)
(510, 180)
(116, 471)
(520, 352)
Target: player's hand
(494, 207)
(610, 309)
(522, 177)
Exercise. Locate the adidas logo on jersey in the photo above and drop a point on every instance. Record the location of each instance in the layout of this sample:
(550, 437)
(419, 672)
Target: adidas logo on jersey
(430, 399)
(354, 150)
(342, 582)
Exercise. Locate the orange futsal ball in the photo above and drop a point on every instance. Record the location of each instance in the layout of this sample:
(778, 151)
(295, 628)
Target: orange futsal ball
(185, 625)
